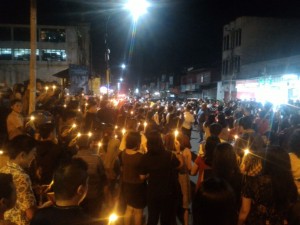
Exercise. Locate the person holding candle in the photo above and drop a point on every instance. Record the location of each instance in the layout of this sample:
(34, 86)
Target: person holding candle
(15, 120)
(70, 188)
(134, 189)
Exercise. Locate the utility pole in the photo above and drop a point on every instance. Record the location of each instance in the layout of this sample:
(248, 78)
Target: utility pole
(32, 78)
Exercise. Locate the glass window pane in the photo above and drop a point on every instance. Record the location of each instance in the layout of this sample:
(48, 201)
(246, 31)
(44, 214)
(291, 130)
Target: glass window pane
(5, 53)
(5, 34)
(23, 54)
(21, 34)
(52, 35)
(53, 55)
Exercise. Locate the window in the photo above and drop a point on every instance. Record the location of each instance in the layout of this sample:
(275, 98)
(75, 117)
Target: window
(5, 54)
(225, 67)
(5, 34)
(23, 54)
(236, 63)
(54, 55)
(21, 34)
(238, 37)
(52, 35)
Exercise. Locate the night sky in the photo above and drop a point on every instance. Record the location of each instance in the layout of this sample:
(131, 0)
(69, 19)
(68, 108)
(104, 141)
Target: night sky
(174, 35)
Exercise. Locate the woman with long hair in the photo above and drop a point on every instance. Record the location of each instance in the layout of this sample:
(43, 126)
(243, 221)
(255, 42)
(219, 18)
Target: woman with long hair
(225, 166)
(266, 198)
(159, 167)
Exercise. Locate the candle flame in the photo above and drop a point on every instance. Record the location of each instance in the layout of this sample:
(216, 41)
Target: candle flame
(32, 118)
(79, 134)
(246, 151)
(176, 133)
(113, 217)
(90, 134)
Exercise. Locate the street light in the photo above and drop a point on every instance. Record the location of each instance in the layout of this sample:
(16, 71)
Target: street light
(136, 9)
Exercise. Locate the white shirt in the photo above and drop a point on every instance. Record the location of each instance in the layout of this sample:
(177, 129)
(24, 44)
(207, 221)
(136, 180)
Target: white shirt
(188, 120)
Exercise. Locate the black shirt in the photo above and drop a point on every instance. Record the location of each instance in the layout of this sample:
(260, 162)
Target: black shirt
(163, 177)
(57, 215)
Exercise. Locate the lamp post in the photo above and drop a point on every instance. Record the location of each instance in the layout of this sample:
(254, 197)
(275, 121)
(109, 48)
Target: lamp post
(32, 76)
(136, 9)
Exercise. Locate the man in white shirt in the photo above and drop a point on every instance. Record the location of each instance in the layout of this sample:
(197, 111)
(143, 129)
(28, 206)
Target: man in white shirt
(188, 121)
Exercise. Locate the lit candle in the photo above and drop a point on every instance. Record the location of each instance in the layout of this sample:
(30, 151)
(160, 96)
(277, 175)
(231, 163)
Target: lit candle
(79, 110)
(46, 88)
(1, 152)
(246, 151)
(32, 118)
(74, 125)
(236, 137)
(79, 134)
(176, 133)
(53, 87)
(145, 125)
(123, 131)
(90, 134)
(116, 127)
(131, 112)
(112, 218)
(116, 136)
(65, 106)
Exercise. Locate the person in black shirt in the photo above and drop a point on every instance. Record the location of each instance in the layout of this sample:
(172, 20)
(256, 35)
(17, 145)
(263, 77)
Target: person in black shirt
(70, 188)
(160, 167)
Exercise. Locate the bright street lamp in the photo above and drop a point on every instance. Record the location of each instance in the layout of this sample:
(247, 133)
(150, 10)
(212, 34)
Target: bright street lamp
(137, 8)
(123, 66)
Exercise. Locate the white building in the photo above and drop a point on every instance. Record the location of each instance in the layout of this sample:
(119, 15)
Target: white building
(263, 49)
(57, 47)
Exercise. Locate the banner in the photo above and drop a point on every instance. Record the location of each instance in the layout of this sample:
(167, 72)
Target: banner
(79, 79)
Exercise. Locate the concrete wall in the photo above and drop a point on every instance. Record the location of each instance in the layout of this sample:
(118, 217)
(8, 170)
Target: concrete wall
(263, 39)
(77, 47)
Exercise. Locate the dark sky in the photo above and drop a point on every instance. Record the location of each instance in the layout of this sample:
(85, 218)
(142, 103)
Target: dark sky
(175, 34)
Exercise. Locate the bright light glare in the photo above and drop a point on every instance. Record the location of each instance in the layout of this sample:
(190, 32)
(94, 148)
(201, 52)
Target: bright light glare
(246, 151)
(137, 8)
(123, 66)
(112, 218)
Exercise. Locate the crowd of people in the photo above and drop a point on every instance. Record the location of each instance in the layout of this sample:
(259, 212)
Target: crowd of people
(79, 158)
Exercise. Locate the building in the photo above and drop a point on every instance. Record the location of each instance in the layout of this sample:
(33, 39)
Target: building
(262, 50)
(200, 83)
(57, 48)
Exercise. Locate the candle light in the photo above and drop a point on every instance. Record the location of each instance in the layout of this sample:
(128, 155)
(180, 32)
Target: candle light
(145, 125)
(176, 133)
(79, 134)
(32, 118)
(53, 87)
(90, 134)
(116, 127)
(116, 136)
(65, 106)
(46, 88)
(79, 110)
(123, 131)
(131, 112)
(1, 152)
(236, 137)
(113, 218)
(246, 151)
(74, 125)
(99, 144)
